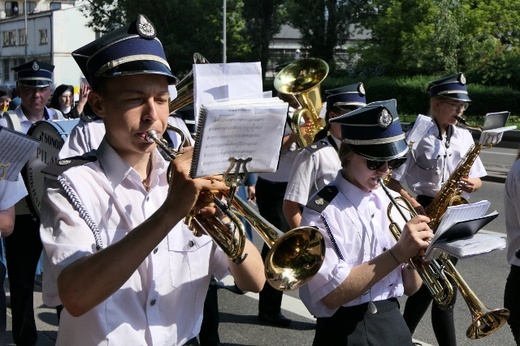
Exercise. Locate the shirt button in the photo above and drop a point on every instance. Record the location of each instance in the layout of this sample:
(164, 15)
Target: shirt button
(384, 249)
(152, 302)
(191, 243)
(147, 198)
(155, 250)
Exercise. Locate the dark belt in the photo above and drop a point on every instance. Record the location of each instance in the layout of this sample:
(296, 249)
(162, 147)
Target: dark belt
(192, 342)
(424, 200)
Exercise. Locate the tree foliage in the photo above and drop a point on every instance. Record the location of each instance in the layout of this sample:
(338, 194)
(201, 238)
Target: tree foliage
(438, 36)
(324, 25)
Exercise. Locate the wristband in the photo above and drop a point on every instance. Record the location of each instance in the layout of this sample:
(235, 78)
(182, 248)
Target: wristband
(391, 254)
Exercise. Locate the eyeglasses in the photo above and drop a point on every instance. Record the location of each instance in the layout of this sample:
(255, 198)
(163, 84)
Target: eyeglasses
(392, 164)
(457, 106)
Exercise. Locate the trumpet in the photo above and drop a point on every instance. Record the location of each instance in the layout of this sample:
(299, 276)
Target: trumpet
(435, 276)
(294, 257)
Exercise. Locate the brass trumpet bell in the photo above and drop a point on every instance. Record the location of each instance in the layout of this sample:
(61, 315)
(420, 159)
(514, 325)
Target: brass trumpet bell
(294, 257)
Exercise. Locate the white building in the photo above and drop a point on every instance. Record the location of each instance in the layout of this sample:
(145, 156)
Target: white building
(54, 29)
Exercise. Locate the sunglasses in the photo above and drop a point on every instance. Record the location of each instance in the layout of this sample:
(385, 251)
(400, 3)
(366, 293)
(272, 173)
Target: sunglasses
(458, 106)
(392, 164)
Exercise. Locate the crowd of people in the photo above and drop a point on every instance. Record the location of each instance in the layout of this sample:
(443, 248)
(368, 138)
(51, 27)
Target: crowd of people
(121, 266)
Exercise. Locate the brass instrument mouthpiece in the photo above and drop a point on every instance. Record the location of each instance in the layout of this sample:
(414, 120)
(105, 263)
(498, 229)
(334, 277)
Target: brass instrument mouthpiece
(151, 136)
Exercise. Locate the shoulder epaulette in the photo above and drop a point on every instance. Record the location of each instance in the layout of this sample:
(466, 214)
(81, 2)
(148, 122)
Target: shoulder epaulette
(316, 146)
(58, 167)
(322, 199)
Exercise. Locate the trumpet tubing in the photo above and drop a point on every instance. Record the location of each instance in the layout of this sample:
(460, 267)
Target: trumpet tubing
(294, 257)
(435, 276)
(230, 237)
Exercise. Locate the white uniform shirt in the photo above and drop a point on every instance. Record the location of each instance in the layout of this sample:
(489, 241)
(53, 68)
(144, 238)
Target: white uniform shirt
(11, 192)
(162, 302)
(360, 233)
(87, 136)
(312, 171)
(512, 213)
(432, 163)
(26, 124)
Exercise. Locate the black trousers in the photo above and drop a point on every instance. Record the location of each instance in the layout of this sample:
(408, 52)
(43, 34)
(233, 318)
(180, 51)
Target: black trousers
(3, 308)
(416, 305)
(23, 249)
(512, 302)
(208, 335)
(356, 326)
(269, 198)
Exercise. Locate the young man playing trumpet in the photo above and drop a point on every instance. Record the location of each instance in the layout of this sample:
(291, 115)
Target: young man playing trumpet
(118, 255)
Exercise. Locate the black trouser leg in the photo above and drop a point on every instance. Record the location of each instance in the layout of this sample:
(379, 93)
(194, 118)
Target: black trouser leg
(208, 335)
(512, 303)
(23, 249)
(269, 198)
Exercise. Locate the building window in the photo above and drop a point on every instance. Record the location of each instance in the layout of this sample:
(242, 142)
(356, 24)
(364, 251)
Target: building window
(31, 6)
(9, 38)
(11, 8)
(44, 39)
(6, 69)
(55, 5)
(21, 37)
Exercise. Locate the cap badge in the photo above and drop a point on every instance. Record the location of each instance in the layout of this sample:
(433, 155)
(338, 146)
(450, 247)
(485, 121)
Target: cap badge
(35, 66)
(145, 28)
(385, 119)
(361, 89)
(64, 162)
(462, 79)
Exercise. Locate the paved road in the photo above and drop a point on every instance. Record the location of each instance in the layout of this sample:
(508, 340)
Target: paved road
(485, 274)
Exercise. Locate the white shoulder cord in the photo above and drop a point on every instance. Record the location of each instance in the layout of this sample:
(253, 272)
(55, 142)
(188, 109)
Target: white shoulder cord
(82, 211)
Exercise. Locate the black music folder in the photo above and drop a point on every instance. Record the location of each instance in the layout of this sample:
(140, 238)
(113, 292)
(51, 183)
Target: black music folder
(16, 149)
(457, 232)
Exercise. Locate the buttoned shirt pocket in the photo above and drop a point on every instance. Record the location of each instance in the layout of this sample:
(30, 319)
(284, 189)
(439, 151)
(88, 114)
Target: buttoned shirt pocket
(189, 258)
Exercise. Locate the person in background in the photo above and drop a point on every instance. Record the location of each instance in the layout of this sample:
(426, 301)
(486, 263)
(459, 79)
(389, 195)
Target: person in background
(118, 255)
(354, 294)
(23, 247)
(63, 100)
(318, 163)
(270, 189)
(10, 193)
(430, 163)
(512, 213)
(5, 98)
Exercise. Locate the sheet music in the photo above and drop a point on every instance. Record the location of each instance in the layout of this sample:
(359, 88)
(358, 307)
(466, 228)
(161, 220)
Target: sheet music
(16, 149)
(479, 244)
(420, 127)
(239, 129)
(462, 212)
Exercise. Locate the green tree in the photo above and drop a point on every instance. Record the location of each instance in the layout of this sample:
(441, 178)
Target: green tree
(324, 25)
(263, 20)
(184, 27)
(438, 36)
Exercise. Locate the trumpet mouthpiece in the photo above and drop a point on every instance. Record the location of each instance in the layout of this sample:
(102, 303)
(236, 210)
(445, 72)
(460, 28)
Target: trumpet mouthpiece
(151, 136)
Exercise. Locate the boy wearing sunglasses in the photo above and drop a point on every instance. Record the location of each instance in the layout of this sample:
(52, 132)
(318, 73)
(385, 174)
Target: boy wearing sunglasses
(354, 294)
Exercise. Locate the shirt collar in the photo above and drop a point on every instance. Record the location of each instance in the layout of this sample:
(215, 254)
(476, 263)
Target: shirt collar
(118, 170)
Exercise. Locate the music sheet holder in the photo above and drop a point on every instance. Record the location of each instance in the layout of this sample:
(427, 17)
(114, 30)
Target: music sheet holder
(495, 120)
(466, 228)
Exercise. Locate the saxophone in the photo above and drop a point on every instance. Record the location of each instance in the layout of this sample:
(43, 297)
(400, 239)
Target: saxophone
(450, 194)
